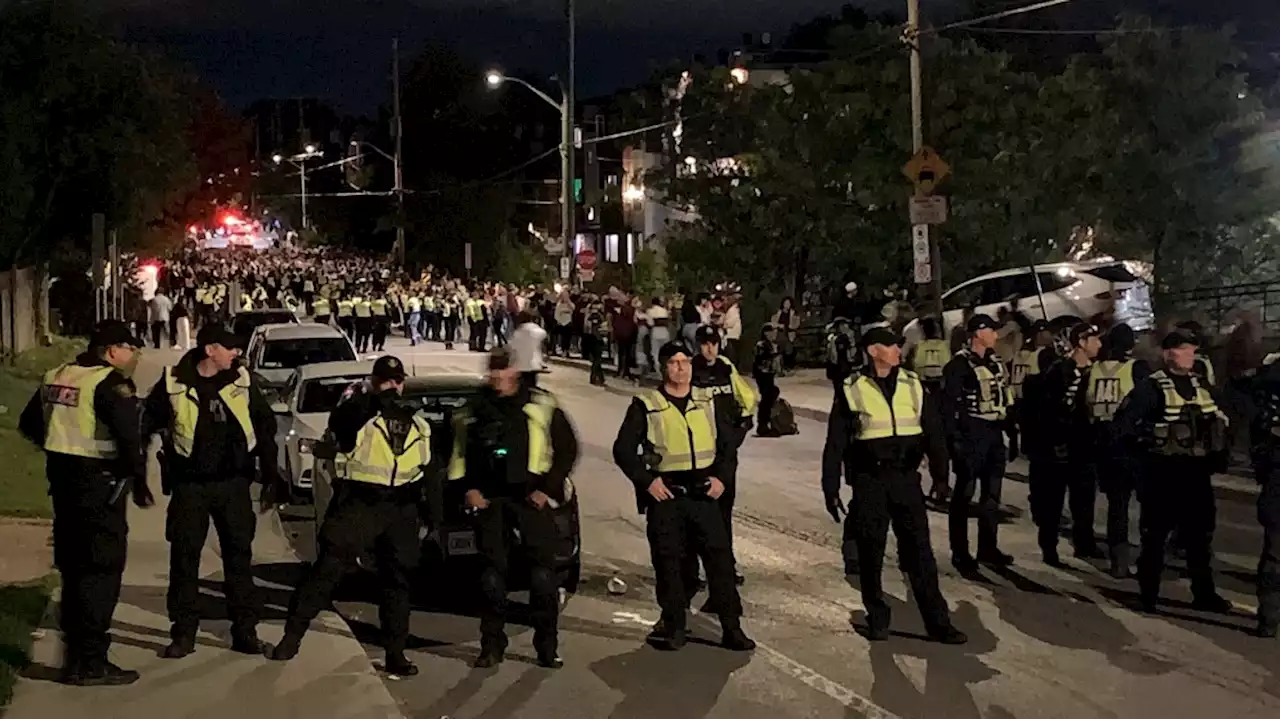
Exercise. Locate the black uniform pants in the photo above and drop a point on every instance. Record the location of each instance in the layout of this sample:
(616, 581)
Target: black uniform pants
(893, 499)
(322, 319)
(1051, 480)
(1117, 478)
(939, 460)
(90, 542)
(833, 468)
(1176, 494)
(191, 507)
(769, 394)
(364, 332)
(979, 464)
(381, 328)
(352, 525)
(684, 526)
(348, 325)
(1269, 562)
(538, 542)
(450, 330)
(725, 504)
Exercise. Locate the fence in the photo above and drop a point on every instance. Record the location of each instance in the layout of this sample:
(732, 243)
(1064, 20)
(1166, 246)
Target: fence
(1217, 307)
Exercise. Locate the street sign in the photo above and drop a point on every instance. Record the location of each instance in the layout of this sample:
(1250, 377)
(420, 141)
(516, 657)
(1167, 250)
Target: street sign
(587, 259)
(925, 170)
(920, 254)
(928, 210)
(466, 255)
(564, 268)
(586, 275)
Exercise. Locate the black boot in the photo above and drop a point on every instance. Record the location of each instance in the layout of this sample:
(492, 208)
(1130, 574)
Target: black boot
(734, 639)
(397, 664)
(182, 645)
(491, 655)
(103, 673)
(248, 643)
(669, 634)
(948, 635)
(287, 648)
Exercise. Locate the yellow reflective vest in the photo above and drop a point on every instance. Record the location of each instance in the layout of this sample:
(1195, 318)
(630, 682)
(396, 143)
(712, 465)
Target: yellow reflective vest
(186, 410)
(684, 441)
(931, 357)
(363, 307)
(1110, 381)
(994, 394)
(877, 417)
(475, 310)
(1025, 364)
(378, 307)
(539, 410)
(320, 308)
(70, 419)
(374, 461)
(412, 305)
(345, 307)
(1194, 427)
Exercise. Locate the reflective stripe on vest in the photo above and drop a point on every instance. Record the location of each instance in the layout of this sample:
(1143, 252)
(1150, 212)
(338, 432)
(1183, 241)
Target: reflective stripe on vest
(378, 307)
(685, 441)
(373, 461)
(71, 422)
(344, 308)
(1209, 375)
(1110, 381)
(186, 410)
(877, 418)
(1025, 363)
(993, 393)
(931, 358)
(539, 412)
(1174, 433)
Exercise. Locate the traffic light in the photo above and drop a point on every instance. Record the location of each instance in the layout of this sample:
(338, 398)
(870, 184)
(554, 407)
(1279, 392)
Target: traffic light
(577, 190)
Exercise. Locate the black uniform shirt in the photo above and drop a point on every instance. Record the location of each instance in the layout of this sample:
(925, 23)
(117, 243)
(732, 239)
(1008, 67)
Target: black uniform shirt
(1145, 405)
(960, 392)
(500, 423)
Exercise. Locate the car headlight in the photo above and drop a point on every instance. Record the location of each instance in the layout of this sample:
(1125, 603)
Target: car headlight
(305, 445)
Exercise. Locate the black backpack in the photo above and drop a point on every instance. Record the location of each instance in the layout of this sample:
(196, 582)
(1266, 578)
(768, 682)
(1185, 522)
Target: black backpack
(783, 418)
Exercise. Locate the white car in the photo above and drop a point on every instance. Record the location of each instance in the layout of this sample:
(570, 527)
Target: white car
(276, 350)
(1076, 289)
(303, 415)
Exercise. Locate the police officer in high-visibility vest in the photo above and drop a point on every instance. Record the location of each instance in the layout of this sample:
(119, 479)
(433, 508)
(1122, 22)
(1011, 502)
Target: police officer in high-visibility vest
(320, 306)
(843, 358)
(514, 454)
(1111, 379)
(976, 391)
(1063, 458)
(413, 317)
(215, 423)
(1024, 366)
(381, 321)
(387, 474)
(1203, 365)
(673, 446)
(893, 421)
(1264, 443)
(363, 309)
(928, 358)
(347, 316)
(716, 377)
(478, 324)
(448, 318)
(1176, 415)
(86, 416)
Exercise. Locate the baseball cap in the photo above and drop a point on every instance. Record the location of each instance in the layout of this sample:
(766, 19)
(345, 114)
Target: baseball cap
(218, 334)
(981, 322)
(388, 367)
(1081, 332)
(110, 333)
(707, 333)
(881, 336)
(671, 349)
(1178, 338)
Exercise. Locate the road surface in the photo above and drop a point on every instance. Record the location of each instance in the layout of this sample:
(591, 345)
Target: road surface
(1043, 642)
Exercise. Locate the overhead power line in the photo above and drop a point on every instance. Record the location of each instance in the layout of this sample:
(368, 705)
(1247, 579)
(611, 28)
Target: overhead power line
(1103, 31)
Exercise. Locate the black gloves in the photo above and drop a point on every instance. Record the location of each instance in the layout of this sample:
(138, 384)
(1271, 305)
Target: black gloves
(835, 507)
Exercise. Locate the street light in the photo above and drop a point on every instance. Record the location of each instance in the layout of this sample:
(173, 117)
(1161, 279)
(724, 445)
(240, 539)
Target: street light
(300, 161)
(493, 78)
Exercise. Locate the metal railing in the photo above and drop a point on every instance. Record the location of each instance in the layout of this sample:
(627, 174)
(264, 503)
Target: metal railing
(1216, 307)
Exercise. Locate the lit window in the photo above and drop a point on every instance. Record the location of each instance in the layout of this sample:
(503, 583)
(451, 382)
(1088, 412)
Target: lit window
(611, 248)
(611, 180)
(631, 249)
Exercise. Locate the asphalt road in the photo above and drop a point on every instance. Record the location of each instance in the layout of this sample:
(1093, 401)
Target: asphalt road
(1043, 642)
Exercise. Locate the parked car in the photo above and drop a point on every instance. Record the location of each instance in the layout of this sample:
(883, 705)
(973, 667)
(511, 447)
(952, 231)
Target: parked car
(452, 551)
(245, 323)
(302, 413)
(275, 351)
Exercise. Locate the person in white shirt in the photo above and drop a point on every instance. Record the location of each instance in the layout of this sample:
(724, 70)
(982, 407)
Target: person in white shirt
(526, 347)
(658, 319)
(732, 327)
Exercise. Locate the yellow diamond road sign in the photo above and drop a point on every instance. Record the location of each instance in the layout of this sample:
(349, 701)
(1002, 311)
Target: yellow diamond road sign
(926, 169)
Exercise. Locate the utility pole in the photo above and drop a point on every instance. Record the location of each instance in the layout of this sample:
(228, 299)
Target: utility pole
(917, 140)
(567, 205)
(398, 129)
(302, 172)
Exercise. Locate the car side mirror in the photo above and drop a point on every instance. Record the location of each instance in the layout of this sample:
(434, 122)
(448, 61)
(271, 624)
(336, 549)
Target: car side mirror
(280, 408)
(324, 450)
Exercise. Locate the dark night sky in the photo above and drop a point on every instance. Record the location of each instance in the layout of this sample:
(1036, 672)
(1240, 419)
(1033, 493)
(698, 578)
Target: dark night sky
(338, 50)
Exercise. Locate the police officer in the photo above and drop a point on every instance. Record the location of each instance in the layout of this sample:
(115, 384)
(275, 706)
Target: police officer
(515, 456)
(843, 358)
(893, 419)
(1062, 458)
(765, 370)
(381, 321)
(363, 309)
(976, 389)
(321, 308)
(928, 359)
(714, 376)
(1265, 453)
(1024, 366)
(346, 316)
(386, 477)
(86, 416)
(1176, 415)
(1111, 379)
(214, 421)
(1203, 365)
(673, 445)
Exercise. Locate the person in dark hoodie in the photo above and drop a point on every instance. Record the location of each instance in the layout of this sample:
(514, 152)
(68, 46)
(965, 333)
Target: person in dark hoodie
(215, 422)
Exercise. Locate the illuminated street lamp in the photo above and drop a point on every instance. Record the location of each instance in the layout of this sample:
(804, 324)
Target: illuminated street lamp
(300, 161)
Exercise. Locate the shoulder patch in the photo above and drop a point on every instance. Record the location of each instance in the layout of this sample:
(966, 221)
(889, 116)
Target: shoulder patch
(125, 390)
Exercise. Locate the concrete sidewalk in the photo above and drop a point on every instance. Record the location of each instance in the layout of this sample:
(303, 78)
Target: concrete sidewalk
(331, 677)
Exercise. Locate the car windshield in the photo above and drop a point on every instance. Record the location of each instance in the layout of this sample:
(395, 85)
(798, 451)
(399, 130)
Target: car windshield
(320, 396)
(244, 325)
(438, 407)
(290, 354)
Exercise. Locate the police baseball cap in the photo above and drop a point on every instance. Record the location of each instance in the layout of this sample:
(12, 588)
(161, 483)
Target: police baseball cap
(110, 333)
(671, 349)
(1081, 332)
(1178, 338)
(707, 334)
(388, 368)
(881, 336)
(218, 334)
(981, 322)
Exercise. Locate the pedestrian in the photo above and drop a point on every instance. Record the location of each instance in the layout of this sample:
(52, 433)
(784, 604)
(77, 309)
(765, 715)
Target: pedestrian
(363, 308)
(594, 336)
(658, 319)
(1265, 452)
(563, 327)
(517, 452)
(413, 315)
(976, 392)
(765, 370)
(86, 415)
(1175, 415)
(388, 475)
(673, 445)
(159, 309)
(732, 327)
(893, 419)
(787, 320)
(215, 422)
(180, 326)
(447, 319)
(625, 332)
(716, 377)
(526, 348)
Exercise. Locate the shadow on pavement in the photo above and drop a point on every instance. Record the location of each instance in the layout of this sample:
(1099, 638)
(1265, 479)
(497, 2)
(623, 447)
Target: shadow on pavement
(685, 684)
